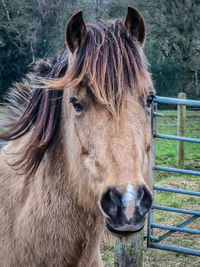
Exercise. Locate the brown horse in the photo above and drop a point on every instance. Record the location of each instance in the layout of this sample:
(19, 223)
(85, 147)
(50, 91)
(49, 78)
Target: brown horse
(78, 157)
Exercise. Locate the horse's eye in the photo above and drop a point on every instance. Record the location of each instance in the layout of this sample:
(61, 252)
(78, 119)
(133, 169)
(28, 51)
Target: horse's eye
(77, 106)
(150, 98)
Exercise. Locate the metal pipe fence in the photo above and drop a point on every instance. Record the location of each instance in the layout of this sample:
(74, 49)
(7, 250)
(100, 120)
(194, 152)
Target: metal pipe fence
(153, 241)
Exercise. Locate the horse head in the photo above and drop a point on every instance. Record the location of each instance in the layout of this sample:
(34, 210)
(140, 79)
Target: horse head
(107, 129)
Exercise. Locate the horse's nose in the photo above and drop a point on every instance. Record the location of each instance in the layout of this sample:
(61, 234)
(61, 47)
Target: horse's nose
(127, 209)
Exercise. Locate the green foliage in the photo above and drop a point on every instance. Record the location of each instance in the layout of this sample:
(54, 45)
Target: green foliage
(166, 72)
(16, 38)
(14, 61)
(31, 29)
(117, 9)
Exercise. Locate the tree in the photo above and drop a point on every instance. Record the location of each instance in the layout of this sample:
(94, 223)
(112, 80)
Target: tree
(176, 26)
(31, 29)
(16, 40)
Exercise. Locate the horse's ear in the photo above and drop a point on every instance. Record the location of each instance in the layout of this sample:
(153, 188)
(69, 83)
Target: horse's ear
(134, 22)
(76, 32)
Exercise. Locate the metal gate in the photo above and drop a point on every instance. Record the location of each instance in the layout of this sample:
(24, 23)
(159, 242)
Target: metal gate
(154, 241)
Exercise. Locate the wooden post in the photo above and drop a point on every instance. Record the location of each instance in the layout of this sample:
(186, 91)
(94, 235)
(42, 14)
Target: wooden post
(181, 116)
(129, 253)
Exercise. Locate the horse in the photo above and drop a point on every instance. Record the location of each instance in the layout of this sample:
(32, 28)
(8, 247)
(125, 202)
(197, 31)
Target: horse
(78, 158)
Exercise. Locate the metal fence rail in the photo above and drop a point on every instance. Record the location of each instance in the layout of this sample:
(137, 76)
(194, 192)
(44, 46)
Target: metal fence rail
(179, 138)
(152, 241)
(177, 101)
(160, 168)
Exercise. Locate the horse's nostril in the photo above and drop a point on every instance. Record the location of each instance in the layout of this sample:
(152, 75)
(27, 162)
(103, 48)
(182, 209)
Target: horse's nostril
(111, 202)
(144, 200)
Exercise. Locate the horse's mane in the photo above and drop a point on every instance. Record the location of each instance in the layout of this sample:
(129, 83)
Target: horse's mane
(111, 62)
(35, 109)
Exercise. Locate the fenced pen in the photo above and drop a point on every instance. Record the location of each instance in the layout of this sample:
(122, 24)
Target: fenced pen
(153, 241)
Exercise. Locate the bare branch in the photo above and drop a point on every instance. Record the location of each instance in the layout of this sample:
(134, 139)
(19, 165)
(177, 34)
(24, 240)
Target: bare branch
(32, 51)
(7, 13)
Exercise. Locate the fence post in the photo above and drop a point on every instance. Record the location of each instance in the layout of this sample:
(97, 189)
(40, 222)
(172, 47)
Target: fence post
(129, 253)
(181, 116)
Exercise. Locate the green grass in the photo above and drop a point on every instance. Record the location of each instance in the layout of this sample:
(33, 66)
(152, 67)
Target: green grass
(166, 149)
(166, 156)
(107, 251)
(1, 131)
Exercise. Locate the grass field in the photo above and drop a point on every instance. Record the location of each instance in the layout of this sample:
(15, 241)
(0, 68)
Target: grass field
(166, 156)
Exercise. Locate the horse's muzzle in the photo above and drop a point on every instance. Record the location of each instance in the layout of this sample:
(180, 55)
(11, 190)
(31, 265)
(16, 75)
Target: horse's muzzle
(126, 213)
